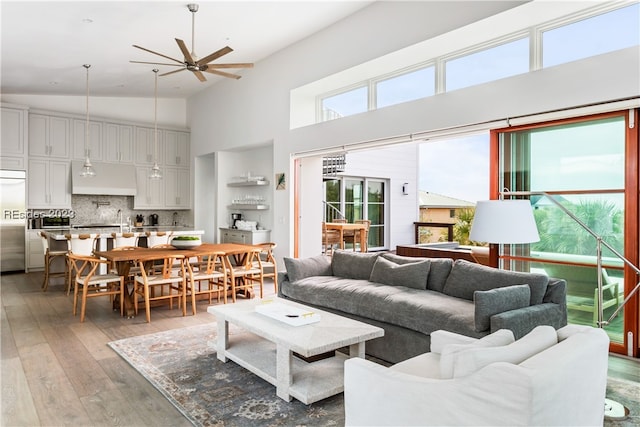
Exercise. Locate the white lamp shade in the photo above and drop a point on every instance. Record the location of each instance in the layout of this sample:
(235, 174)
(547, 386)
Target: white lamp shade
(504, 221)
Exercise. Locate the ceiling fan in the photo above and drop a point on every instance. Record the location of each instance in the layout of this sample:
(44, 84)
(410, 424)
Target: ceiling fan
(191, 61)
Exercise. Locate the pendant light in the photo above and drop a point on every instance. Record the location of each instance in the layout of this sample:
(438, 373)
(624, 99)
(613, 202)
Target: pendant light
(87, 169)
(155, 170)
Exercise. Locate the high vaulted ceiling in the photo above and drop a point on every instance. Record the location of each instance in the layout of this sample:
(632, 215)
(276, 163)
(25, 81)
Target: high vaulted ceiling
(45, 44)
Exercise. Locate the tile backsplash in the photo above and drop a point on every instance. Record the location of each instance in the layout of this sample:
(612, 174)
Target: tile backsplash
(104, 210)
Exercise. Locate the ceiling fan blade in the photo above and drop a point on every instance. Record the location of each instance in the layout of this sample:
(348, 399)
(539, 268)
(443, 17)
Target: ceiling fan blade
(200, 76)
(223, 74)
(157, 63)
(215, 55)
(183, 48)
(172, 72)
(159, 54)
(235, 65)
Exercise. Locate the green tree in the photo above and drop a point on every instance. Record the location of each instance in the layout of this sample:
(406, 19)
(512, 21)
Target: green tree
(560, 233)
(462, 227)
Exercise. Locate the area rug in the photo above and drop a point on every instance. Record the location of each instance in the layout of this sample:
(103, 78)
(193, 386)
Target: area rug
(182, 365)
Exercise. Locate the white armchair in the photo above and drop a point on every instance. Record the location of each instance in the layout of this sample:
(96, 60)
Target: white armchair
(547, 377)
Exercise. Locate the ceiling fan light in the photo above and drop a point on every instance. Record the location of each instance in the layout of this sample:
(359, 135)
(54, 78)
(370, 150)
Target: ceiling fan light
(87, 169)
(155, 172)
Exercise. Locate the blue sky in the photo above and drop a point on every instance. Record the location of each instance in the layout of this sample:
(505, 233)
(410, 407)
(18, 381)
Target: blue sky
(456, 167)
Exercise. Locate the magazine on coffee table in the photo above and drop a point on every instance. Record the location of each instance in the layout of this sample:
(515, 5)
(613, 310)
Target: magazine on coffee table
(288, 314)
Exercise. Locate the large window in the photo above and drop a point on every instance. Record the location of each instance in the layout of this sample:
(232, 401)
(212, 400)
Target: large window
(610, 31)
(582, 165)
(605, 27)
(345, 104)
(495, 63)
(406, 87)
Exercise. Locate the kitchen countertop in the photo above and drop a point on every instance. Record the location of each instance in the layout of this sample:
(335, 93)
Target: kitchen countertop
(59, 234)
(239, 229)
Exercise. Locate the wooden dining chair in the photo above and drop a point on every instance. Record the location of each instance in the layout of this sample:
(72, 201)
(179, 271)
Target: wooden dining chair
(207, 276)
(93, 284)
(49, 257)
(269, 265)
(330, 238)
(79, 244)
(174, 280)
(245, 273)
(353, 236)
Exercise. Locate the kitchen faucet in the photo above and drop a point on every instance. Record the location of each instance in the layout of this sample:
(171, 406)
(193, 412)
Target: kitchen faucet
(175, 218)
(120, 219)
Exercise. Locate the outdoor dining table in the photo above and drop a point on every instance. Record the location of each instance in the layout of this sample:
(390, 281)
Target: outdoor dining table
(342, 226)
(123, 259)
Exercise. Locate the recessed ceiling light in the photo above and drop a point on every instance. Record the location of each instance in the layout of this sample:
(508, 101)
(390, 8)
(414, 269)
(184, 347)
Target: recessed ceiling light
(53, 83)
(87, 20)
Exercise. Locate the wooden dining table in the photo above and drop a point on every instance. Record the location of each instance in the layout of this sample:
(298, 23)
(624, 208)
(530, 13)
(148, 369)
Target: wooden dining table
(342, 226)
(123, 259)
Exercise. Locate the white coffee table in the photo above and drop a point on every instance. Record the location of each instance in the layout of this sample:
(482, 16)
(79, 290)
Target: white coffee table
(268, 350)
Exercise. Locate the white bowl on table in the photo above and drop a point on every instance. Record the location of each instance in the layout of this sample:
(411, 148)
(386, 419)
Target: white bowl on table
(185, 244)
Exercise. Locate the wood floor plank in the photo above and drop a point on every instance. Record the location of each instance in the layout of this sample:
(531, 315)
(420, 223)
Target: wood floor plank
(83, 371)
(53, 394)
(18, 408)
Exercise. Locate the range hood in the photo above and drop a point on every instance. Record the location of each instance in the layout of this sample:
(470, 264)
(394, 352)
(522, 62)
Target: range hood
(111, 179)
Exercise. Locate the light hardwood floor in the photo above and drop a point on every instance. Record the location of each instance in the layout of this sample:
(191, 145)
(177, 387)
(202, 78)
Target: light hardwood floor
(57, 371)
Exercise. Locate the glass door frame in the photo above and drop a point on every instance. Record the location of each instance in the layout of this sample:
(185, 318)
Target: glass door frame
(632, 219)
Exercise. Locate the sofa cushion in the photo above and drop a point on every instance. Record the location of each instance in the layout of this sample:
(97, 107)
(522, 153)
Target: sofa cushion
(438, 272)
(412, 275)
(447, 356)
(299, 268)
(467, 277)
(499, 300)
(353, 265)
(471, 360)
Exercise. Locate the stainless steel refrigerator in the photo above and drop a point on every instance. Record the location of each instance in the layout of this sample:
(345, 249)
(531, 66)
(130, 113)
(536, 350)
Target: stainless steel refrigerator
(12, 220)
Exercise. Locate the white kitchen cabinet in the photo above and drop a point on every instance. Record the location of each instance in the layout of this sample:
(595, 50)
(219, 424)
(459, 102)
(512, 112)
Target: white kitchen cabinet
(177, 188)
(12, 141)
(145, 146)
(176, 148)
(34, 250)
(247, 237)
(150, 192)
(95, 140)
(49, 136)
(118, 143)
(49, 184)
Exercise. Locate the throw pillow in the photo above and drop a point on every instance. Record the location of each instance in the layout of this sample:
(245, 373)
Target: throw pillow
(438, 272)
(471, 360)
(353, 265)
(467, 277)
(447, 356)
(298, 268)
(499, 300)
(412, 275)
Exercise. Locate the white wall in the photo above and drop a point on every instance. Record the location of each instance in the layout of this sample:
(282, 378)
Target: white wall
(256, 108)
(171, 112)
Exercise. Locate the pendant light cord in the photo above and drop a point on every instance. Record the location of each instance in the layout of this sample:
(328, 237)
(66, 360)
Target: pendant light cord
(155, 119)
(86, 130)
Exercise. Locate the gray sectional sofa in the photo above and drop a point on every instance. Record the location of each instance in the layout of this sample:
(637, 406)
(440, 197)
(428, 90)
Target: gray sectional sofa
(412, 297)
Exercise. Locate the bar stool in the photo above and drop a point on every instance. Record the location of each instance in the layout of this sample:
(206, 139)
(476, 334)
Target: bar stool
(124, 239)
(155, 238)
(49, 256)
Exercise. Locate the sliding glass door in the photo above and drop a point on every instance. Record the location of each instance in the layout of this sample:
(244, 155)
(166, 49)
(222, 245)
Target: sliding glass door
(590, 166)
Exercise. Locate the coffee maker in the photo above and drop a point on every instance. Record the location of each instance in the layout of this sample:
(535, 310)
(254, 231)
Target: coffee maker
(235, 217)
